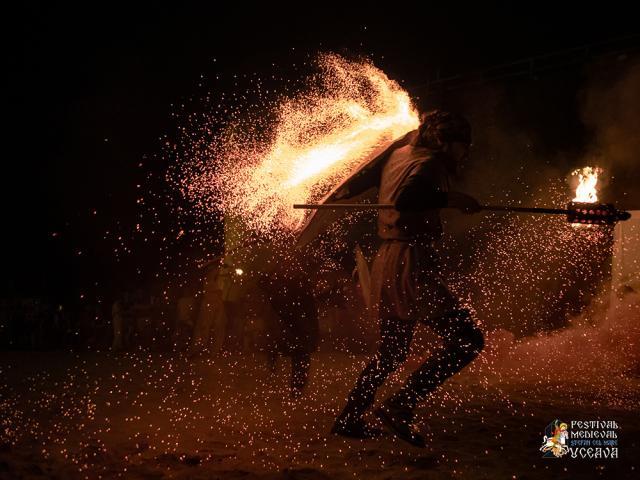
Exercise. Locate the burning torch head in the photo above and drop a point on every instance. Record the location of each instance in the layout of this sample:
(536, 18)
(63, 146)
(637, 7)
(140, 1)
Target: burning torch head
(594, 213)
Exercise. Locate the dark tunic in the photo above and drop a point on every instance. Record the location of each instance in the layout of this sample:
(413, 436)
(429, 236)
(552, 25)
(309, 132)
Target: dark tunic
(411, 176)
(405, 277)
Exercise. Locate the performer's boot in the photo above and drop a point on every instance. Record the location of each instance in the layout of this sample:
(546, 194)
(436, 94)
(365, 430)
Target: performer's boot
(462, 343)
(400, 420)
(300, 363)
(354, 428)
(396, 337)
(350, 422)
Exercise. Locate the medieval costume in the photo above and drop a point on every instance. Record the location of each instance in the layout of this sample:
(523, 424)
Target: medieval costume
(406, 286)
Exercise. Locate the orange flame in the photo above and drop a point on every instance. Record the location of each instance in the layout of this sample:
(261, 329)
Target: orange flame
(318, 138)
(586, 190)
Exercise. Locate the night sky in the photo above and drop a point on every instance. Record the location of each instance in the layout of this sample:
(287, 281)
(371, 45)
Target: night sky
(92, 89)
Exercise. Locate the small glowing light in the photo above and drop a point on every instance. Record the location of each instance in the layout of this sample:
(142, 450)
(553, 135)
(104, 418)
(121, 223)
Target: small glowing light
(239, 271)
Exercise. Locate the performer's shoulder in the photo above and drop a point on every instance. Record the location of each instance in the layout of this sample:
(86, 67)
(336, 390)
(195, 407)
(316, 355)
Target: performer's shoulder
(424, 154)
(425, 161)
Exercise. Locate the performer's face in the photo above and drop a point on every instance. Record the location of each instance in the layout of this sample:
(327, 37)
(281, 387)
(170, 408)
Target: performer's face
(459, 153)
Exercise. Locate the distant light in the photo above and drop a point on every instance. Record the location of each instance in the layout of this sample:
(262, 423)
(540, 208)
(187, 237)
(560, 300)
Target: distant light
(239, 271)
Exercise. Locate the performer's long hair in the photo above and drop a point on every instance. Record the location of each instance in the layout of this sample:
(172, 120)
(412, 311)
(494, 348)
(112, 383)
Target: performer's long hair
(439, 128)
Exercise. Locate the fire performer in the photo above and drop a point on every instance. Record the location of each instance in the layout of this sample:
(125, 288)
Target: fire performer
(413, 174)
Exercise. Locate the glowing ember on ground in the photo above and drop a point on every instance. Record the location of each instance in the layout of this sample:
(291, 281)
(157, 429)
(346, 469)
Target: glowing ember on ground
(316, 139)
(587, 181)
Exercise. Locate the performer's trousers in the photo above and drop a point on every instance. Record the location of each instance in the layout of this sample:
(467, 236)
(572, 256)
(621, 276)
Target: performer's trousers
(462, 341)
(300, 364)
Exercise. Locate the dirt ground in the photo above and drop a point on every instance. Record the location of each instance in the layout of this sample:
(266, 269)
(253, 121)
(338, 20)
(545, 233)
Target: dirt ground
(151, 416)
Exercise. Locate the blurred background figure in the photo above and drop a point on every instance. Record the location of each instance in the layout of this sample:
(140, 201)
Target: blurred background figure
(294, 330)
(120, 320)
(185, 317)
(142, 330)
(210, 318)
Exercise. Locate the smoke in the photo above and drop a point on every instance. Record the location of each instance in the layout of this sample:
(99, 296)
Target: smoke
(600, 346)
(532, 274)
(609, 108)
(520, 272)
(600, 351)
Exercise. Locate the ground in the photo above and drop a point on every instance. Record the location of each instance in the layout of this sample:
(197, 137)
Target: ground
(151, 416)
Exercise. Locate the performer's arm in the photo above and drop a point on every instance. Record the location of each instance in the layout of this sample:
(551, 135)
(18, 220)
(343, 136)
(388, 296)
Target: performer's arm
(416, 195)
(463, 202)
(419, 193)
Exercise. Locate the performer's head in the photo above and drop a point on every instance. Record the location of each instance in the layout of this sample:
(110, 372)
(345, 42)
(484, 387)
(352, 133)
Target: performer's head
(446, 132)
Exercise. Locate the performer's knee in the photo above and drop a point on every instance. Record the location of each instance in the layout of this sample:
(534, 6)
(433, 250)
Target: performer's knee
(389, 361)
(476, 340)
(398, 358)
(468, 339)
(394, 347)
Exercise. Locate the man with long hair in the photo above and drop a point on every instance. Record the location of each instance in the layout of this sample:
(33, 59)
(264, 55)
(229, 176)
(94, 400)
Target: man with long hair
(406, 283)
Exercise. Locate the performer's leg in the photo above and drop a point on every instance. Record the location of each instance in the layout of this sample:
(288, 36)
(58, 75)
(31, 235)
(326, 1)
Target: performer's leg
(463, 341)
(118, 332)
(300, 364)
(206, 320)
(395, 339)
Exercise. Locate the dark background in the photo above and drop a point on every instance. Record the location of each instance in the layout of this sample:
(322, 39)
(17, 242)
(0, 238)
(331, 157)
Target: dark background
(93, 88)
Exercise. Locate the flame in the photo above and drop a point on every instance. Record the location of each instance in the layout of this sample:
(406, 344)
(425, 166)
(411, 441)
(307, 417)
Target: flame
(316, 140)
(586, 190)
